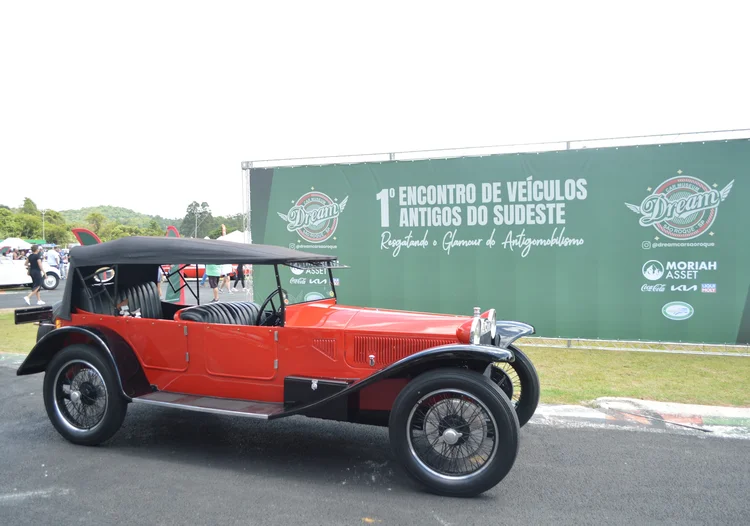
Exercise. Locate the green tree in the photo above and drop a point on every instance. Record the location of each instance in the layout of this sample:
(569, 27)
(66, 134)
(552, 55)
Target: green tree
(30, 226)
(57, 234)
(154, 229)
(97, 222)
(9, 224)
(29, 207)
(198, 221)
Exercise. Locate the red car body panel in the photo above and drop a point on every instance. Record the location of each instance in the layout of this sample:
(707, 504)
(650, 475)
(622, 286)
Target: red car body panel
(320, 340)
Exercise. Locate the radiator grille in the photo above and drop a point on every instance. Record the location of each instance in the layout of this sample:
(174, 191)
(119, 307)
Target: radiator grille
(325, 346)
(388, 349)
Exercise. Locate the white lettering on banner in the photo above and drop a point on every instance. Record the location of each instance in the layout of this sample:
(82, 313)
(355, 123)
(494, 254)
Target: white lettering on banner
(525, 243)
(459, 209)
(529, 202)
(386, 243)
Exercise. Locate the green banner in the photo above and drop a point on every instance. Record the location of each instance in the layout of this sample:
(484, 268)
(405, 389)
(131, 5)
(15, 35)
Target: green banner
(633, 243)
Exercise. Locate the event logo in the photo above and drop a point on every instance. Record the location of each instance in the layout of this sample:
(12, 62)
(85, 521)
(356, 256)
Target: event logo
(314, 216)
(652, 270)
(682, 207)
(677, 310)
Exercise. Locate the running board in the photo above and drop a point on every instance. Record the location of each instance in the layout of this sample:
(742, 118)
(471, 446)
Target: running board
(210, 404)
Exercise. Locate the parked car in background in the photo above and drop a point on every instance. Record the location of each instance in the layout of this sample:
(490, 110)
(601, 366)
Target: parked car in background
(14, 273)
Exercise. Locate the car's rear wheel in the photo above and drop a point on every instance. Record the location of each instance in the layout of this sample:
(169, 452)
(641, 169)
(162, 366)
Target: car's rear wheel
(51, 281)
(520, 382)
(82, 396)
(454, 431)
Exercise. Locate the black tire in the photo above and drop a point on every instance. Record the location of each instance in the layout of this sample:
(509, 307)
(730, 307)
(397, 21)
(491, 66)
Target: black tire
(497, 411)
(53, 280)
(520, 382)
(115, 405)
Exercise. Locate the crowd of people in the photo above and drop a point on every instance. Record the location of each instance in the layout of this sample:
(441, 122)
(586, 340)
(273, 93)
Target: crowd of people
(219, 278)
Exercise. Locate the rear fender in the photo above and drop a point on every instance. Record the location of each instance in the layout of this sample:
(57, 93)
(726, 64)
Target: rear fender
(130, 375)
(475, 357)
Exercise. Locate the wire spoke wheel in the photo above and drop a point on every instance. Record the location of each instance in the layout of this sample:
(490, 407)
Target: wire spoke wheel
(452, 434)
(80, 395)
(507, 379)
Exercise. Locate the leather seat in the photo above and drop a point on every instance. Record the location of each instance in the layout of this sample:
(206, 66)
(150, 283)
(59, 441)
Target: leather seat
(144, 296)
(239, 313)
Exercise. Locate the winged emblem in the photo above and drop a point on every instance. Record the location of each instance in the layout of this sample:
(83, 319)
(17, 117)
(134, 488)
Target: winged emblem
(342, 204)
(283, 216)
(634, 208)
(725, 191)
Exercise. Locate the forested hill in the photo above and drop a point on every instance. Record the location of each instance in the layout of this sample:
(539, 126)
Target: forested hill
(118, 214)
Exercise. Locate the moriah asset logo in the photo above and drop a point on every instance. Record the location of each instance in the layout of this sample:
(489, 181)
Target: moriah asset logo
(314, 216)
(652, 270)
(682, 207)
(677, 310)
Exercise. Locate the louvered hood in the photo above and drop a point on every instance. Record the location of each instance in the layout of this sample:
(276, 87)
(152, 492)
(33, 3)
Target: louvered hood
(389, 336)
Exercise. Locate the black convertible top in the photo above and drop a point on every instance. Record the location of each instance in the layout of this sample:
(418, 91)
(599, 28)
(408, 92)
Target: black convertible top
(183, 250)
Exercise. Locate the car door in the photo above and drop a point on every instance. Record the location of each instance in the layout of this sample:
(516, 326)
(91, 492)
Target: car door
(240, 351)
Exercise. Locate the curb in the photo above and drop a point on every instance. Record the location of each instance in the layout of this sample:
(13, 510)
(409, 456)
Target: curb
(702, 420)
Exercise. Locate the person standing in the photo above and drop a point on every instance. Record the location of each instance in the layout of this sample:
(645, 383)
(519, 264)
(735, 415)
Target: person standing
(240, 277)
(53, 259)
(64, 265)
(213, 272)
(36, 271)
(226, 271)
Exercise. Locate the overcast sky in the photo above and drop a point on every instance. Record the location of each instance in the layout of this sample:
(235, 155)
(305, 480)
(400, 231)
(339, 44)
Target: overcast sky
(151, 105)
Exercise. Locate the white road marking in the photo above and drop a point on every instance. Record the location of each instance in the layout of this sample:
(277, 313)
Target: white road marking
(25, 495)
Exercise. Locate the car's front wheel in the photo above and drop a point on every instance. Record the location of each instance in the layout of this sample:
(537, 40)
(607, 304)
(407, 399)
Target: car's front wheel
(82, 396)
(454, 431)
(51, 281)
(520, 382)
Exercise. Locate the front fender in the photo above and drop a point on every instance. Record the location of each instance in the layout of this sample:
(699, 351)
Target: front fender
(509, 331)
(476, 357)
(131, 379)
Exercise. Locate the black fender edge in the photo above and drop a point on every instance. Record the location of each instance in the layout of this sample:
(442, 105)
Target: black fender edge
(131, 378)
(476, 357)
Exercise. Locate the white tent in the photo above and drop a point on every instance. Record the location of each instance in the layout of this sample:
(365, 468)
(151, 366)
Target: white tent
(17, 243)
(236, 236)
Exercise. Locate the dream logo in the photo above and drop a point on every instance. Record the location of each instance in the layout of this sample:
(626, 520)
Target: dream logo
(314, 216)
(682, 207)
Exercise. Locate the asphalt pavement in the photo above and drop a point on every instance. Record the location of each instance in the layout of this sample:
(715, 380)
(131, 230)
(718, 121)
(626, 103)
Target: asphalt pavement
(174, 467)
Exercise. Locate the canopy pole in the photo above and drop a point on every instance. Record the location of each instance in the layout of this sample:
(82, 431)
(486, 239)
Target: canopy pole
(246, 173)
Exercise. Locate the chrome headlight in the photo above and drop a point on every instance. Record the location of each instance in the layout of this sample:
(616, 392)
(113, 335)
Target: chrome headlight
(492, 320)
(476, 331)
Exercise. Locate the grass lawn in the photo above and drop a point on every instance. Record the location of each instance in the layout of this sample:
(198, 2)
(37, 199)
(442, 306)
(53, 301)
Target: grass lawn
(571, 376)
(16, 338)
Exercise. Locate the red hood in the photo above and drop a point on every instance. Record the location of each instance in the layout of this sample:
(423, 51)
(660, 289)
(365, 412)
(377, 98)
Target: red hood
(326, 314)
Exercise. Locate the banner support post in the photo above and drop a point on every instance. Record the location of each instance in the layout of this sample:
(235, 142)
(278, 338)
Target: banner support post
(246, 169)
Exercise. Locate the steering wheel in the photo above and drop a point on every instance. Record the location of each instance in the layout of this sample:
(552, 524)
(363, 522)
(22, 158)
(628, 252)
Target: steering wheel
(275, 316)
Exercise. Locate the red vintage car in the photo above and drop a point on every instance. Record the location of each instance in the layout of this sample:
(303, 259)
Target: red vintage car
(453, 390)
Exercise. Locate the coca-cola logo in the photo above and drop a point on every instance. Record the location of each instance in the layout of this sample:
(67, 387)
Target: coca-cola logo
(682, 207)
(314, 216)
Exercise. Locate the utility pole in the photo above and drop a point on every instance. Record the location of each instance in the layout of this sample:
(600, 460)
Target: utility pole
(43, 237)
